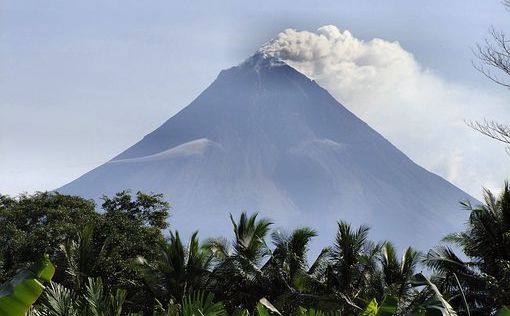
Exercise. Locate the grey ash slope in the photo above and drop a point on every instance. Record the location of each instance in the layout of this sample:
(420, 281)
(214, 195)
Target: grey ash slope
(264, 137)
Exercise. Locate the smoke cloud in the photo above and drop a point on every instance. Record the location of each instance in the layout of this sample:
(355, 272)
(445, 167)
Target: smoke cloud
(414, 108)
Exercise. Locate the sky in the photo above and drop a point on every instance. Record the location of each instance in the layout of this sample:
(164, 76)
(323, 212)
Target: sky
(80, 81)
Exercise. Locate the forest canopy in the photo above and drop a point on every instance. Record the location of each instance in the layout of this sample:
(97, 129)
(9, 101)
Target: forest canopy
(124, 253)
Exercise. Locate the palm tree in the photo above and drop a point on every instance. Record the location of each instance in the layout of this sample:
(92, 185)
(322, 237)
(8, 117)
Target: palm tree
(237, 278)
(201, 304)
(483, 281)
(397, 273)
(353, 275)
(295, 284)
(179, 271)
(288, 260)
(460, 280)
(95, 301)
(78, 256)
(58, 301)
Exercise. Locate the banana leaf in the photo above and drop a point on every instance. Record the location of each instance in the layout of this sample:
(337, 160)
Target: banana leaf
(505, 311)
(18, 294)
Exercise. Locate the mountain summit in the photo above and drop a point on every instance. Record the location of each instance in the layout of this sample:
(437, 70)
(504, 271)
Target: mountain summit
(264, 137)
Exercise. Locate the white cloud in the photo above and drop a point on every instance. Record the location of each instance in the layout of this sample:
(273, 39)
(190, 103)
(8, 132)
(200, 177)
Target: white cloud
(413, 107)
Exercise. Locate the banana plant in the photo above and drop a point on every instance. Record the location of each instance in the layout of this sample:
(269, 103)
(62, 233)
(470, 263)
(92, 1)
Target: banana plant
(18, 294)
(388, 307)
(505, 311)
(436, 302)
(265, 308)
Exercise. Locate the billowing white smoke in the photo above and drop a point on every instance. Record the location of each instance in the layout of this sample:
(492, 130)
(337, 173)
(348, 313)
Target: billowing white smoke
(414, 108)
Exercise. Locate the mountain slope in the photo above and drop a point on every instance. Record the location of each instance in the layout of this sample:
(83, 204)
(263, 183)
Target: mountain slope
(264, 137)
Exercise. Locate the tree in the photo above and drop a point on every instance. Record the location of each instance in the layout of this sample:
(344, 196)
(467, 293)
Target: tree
(237, 277)
(82, 242)
(78, 257)
(118, 261)
(34, 225)
(353, 275)
(293, 282)
(460, 280)
(493, 57)
(130, 226)
(484, 280)
(178, 271)
(96, 300)
(397, 273)
(288, 260)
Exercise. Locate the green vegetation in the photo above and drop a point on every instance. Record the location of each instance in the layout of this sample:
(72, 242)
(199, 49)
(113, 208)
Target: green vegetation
(18, 294)
(119, 262)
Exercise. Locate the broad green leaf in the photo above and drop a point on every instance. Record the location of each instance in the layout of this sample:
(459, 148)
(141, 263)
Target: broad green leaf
(505, 311)
(371, 309)
(241, 312)
(44, 270)
(442, 305)
(18, 294)
(199, 304)
(388, 306)
(262, 310)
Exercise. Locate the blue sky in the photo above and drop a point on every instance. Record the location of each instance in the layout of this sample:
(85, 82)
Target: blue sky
(82, 80)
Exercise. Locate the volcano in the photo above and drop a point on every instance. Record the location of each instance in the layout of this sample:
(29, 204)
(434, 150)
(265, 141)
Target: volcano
(264, 137)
